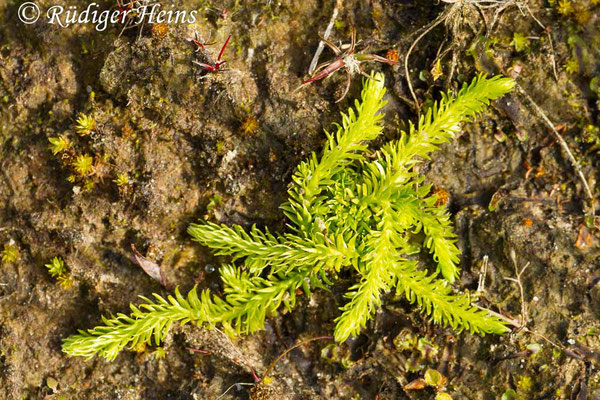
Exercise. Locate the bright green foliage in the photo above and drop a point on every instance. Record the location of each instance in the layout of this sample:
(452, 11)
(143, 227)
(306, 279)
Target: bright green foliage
(345, 211)
(59, 144)
(509, 394)
(572, 66)
(214, 202)
(122, 179)
(520, 42)
(434, 378)
(56, 267)
(83, 164)
(565, 7)
(85, 125)
(150, 320)
(65, 282)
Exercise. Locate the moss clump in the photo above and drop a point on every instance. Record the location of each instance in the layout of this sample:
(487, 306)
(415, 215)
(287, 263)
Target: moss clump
(10, 253)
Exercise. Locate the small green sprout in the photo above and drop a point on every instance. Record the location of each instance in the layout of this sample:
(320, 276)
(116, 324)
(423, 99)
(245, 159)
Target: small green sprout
(65, 282)
(565, 7)
(437, 71)
(89, 185)
(572, 66)
(83, 164)
(56, 267)
(250, 126)
(220, 147)
(10, 254)
(122, 179)
(85, 125)
(591, 134)
(59, 144)
(214, 202)
(520, 42)
(509, 394)
(525, 386)
(595, 86)
(159, 353)
(52, 383)
(434, 378)
(333, 353)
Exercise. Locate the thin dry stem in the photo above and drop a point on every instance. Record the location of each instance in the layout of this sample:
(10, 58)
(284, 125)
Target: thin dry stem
(482, 275)
(272, 365)
(517, 280)
(321, 46)
(552, 57)
(428, 29)
(562, 142)
(234, 385)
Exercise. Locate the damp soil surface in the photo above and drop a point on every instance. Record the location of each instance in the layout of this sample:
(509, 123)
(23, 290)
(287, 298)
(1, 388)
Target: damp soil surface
(172, 143)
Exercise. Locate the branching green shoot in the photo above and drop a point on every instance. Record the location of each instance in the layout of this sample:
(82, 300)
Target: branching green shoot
(345, 211)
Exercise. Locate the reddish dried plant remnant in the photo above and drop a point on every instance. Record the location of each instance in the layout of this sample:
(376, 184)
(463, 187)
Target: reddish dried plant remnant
(211, 66)
(392, 55)
(585, 238)
(443, 197)
(350, 60)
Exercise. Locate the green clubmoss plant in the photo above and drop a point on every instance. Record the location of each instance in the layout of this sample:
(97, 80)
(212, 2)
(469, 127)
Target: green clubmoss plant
(346, 211)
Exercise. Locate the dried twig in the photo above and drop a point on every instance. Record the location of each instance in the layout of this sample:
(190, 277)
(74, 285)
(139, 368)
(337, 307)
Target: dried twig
(552, 57)
(272, 365)
(562, 142)
(234, 385)
(482, 274)
(315, 60)
(428, 28)
(517, 280)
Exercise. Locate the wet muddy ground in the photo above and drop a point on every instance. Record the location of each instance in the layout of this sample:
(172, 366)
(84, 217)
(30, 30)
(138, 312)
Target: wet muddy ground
(172, 144)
